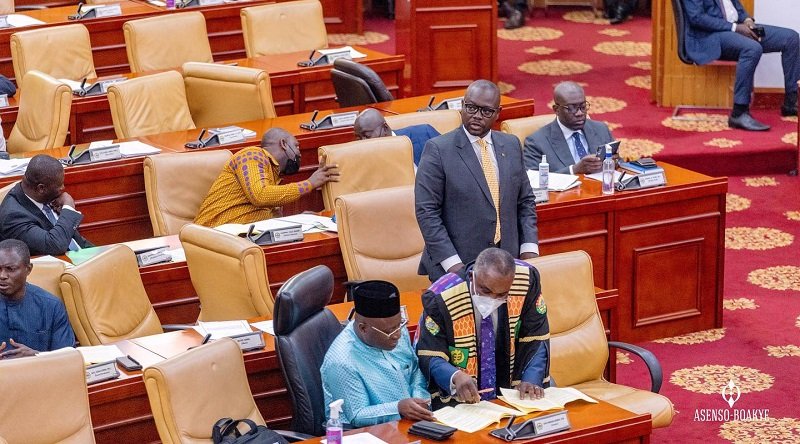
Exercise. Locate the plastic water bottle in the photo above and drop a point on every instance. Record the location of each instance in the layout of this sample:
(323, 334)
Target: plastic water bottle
(608, 172)
(544, 173)
(333, 428)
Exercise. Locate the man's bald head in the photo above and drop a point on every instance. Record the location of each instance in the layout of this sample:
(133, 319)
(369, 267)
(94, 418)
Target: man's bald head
(44, 178)
(281, 145)
(567, 88)
(273, 136)
(371, 124)
(570, 105)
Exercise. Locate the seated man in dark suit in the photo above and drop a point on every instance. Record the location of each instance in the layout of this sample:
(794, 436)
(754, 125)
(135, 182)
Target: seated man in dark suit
(31, 319)
(40, 213)
(569, 142)
(370, 124)
(722, 30)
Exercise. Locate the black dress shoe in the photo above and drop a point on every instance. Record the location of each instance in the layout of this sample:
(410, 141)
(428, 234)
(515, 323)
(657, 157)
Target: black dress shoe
(746, 122)
(620, 14)
(515, 20)
(789, 110)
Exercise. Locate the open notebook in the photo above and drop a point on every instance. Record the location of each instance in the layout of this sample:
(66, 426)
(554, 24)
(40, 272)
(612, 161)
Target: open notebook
(473, 417)
(555, 398)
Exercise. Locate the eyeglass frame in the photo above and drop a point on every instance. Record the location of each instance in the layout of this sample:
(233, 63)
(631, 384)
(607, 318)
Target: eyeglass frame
(582, 107)
(389, 335)
(466, 106)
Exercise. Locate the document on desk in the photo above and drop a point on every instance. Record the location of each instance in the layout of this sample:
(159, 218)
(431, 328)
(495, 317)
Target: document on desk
(19, 20)
(599, 176)
(311, 223)
(556, 182)
(222, 329)
(555, 398)
(260, 227)
(13, 166)
(265, 326)
(473, 417)
(359, 438)
(353, 53)
(48, 258)
(100, 353)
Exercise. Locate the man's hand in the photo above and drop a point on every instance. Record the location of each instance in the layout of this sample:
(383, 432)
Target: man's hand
(529, 255)
(746, 30)
(18, 351)
(324, 174)
(588, 165)
(530, 391)
(466, 390)
(62, 199)
(415, 409)
(455, 268)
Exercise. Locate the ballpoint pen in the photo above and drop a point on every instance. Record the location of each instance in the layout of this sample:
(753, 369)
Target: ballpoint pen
(206, 338)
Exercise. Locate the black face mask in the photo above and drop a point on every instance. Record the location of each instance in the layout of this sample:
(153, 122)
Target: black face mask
(292, 166)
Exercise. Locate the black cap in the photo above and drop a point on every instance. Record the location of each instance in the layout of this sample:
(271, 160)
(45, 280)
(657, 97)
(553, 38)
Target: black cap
(375, 299)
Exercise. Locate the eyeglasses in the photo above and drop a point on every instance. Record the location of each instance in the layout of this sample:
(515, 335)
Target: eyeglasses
(471, 108)
(391, 333)
(575, 107)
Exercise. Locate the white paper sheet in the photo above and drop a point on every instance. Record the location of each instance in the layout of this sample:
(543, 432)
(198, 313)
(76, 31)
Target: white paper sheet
(353, 53)
(13, 166)
(49, 258)
(311, 223)
(599, 176)
(265, 326)
(555, 398)
(222, 329)
(100, 353)
(21, 20)
(555, 182)
(359, 438)
(473, 417)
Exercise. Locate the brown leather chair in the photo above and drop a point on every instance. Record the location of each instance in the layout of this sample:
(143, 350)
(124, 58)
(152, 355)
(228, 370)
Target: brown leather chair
(363, 219)
(578, 347)
(356, 84)
(44, 399)
(191, 391)
(284, 27)
(229, 274)
(105, 299)
(147, 50)
(64, 52)
(6, 7)
(525, 126)
(173, 196)
(219, 95)
(6, 189)
(43, 116)
(47, 275)
(149, 105)
(444, 120)
(368, 165)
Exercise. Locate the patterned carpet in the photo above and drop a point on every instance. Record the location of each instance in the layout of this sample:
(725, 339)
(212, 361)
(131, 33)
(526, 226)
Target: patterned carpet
(759, 347)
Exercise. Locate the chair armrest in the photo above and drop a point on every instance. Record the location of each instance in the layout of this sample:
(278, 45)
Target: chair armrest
(176, 327)
(656, 375)
(293, 436)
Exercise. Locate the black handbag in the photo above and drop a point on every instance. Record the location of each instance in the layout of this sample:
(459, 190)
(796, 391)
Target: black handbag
(225, 431)
(431, 430)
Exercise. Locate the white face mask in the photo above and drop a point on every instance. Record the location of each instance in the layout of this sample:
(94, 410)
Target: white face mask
(486, 305)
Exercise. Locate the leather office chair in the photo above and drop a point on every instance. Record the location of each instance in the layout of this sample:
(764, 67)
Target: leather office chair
(191, 391)
(174, 197)
(368, 165)
(363, 219)
(229, 274)
(44, 399)
(147, 51)
(6, 7)
(43, 116)
(101, 313)
(304, 330)
(7, 189)
(578, 347)
(47, 275)
(444, 120)
(284, 27)
(149, 105)
(64, 52)
(356, 84)
(525, 126)
(219, 95)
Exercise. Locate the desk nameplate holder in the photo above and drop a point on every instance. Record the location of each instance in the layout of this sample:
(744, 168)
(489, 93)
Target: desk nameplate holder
(99, 11)
(103, 371)
(3, 100)
(222, 138)
(330, 121)
(194, 3)
(4, 22)
(651, 179)
(292, 233)
(153, 256)
(91, 155)
(250, 341)
(97, 88)
(455, 103)
(542, 425)
(327, 59)
(541, 195)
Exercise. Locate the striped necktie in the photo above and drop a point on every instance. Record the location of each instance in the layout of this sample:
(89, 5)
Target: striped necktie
(491, 180)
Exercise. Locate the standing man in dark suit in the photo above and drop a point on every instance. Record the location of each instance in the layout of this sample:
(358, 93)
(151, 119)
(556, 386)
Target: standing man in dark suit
(722, 30)
(370, 124)
(40, 213)
(472, 191)
(569, 142)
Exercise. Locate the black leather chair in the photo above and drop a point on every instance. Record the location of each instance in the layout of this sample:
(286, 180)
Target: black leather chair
(356, 84)
(304, 329)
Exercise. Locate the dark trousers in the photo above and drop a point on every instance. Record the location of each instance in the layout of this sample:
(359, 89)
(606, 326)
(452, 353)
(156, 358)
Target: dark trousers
(516, 4)
(747, 52)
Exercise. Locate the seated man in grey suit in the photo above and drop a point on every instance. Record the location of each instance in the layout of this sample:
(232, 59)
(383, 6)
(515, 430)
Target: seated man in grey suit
(570, 141)
(40, 213)
(370, 124)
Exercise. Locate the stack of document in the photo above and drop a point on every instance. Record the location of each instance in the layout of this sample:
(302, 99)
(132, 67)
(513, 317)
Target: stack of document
(128, 149)
(20, 21)
(556, 182)
(311, 223)
(265, 326)
(48, 258)
(13, 166)
(555, 398)
(229, 129)
(100, 353)
(353, 53)
(222, 329)
(473, 417)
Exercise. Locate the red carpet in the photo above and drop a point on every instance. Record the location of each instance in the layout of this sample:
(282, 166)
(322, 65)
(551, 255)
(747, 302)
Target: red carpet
(759, 346)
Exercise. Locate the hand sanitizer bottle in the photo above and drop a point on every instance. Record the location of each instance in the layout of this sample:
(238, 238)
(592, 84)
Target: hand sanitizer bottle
(544, 173)
(608, 172)
(333, 428)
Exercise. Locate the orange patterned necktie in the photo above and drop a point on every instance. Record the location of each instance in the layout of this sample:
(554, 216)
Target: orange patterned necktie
(491, 179)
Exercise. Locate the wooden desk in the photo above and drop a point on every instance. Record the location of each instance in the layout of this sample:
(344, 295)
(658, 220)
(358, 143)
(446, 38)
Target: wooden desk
(591, 423)
(294, 90)
(111, 194)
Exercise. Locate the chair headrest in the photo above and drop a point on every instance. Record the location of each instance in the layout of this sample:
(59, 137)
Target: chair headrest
(368, 74)
(303, 295)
